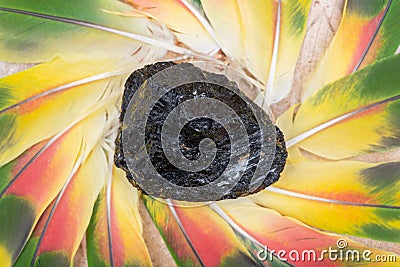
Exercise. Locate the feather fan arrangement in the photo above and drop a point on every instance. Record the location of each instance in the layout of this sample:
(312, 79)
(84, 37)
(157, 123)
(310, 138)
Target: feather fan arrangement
(327, 70)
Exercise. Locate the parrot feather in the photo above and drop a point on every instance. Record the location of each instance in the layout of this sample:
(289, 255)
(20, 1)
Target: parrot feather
(60, 238)
(271, 56)
(196, 236)
(367, 33)
(51, 166)
(367, 202)
(34, 103)
(183, 18)
(114, 235)
(361, 108)
(83, 30)
(272, 232)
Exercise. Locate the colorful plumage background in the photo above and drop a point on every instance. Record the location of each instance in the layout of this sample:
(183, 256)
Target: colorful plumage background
(327, 71)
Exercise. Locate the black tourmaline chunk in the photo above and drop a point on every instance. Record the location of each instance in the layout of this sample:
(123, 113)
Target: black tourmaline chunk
(132, 84)
(192, 134)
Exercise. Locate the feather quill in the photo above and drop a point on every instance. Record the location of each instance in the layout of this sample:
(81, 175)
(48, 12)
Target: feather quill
(367, 33)
(196, 236)
(114, 235)
(261, 37)
(51, 166)
(31, 103)
(183, 18)
(362, 109)
(267, 229)
(34, 27)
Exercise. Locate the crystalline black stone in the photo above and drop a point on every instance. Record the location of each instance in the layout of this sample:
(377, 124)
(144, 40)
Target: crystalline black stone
(132, 84)
(196, 131)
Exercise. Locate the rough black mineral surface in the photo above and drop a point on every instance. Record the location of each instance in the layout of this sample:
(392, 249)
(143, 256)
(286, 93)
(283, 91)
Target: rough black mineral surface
(194, 132)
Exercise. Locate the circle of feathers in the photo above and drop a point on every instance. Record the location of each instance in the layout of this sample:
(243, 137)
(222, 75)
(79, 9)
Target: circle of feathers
(326, 71)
